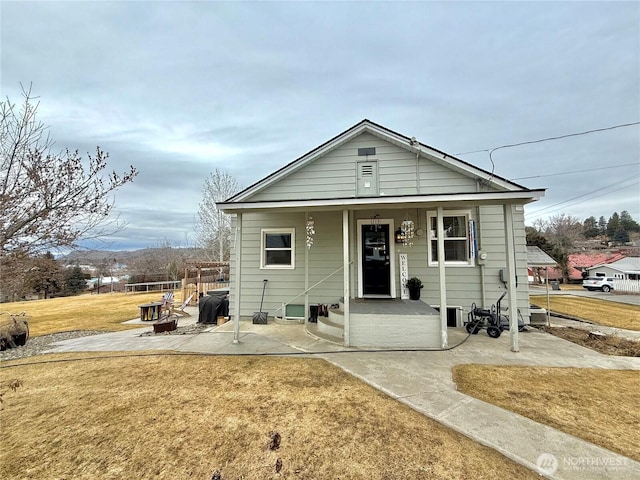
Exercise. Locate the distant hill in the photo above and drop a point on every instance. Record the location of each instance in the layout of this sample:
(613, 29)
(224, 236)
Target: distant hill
(91, 257)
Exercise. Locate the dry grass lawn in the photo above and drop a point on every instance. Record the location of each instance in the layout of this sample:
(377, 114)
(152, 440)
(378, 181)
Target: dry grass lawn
(85, 312)
(603, 312)
(173, 417)
(600, 406)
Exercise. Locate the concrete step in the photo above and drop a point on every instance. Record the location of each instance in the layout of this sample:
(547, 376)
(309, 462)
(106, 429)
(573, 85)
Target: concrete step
(314, 331)
(336, 315)
(328, 327)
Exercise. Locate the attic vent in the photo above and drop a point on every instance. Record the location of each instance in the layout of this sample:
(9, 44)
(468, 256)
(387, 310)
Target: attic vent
(363, 152)
(367, 178)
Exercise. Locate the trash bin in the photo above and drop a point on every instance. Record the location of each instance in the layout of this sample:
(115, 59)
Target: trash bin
(555, 285)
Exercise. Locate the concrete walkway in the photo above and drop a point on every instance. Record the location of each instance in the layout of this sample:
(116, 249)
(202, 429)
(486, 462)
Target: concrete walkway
(422, 380)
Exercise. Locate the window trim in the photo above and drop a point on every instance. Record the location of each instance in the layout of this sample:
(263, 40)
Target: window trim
(470, 261)
(263, 257)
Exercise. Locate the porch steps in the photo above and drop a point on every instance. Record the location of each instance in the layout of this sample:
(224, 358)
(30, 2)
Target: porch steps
(334, 329)
(314, 331)
(330, 328)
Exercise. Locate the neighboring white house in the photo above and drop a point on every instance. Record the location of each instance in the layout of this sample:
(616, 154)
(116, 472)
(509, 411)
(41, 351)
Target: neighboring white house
(358, 215)
(627, 268)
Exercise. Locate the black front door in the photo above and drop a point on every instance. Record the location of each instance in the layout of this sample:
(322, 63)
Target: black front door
(376, 260)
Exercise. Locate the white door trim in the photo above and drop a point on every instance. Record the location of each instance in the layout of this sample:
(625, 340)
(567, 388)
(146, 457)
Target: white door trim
(392, 253)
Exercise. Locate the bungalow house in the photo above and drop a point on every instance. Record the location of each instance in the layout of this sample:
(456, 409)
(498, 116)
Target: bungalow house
(345, 225)
(627, 268)
(579, 264)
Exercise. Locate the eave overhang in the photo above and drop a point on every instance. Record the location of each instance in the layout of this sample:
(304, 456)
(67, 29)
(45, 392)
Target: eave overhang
(403, 201)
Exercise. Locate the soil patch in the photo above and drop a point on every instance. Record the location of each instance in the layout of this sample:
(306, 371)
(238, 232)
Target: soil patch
(607, 344)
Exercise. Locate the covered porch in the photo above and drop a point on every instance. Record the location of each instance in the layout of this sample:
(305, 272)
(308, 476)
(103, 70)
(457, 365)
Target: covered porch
(378, 322)
(367, 323)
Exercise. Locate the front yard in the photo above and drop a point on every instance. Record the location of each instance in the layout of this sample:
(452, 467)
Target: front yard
(172, 417)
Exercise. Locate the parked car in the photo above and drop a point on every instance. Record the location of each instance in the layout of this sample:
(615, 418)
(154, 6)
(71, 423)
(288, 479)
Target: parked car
(598, 283)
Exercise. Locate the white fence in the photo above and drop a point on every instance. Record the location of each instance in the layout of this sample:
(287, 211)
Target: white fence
(626, 286)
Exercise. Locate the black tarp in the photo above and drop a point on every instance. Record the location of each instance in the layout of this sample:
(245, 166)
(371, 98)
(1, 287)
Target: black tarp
(213, 306)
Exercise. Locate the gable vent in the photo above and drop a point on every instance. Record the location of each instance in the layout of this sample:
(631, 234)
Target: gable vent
(363, 152)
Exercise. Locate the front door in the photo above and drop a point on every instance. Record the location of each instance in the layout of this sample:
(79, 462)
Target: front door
(376, 260)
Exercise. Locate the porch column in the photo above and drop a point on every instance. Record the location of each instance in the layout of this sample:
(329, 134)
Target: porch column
(511, 270)
(345, 272)
(444, 341)
(306, 277)
(236, 305)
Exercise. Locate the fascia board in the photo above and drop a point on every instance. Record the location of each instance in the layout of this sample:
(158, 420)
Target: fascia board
(526, 196)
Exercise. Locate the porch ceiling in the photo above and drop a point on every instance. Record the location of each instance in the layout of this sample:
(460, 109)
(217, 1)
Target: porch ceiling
(453, 200)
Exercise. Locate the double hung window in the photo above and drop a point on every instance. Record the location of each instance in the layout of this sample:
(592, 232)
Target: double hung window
(277, 248)
(456, 238)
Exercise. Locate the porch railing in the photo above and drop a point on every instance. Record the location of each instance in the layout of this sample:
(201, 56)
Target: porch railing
(283, 307)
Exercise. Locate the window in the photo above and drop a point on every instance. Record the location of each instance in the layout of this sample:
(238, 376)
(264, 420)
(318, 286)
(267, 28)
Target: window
(277, 248)
(456, 238)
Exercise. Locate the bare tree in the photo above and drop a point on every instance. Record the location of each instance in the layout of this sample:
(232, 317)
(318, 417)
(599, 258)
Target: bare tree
(47, 199)
(213, 227)
(562, 231)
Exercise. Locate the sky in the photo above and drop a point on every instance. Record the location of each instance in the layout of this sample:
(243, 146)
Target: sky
(179, 89)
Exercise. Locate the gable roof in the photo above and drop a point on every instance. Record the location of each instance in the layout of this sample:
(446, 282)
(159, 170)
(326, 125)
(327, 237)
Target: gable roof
(580, 262)
(536, 257)
(625, 265)
(386, 134)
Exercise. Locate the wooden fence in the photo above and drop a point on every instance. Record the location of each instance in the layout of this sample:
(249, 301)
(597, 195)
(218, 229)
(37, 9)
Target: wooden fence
(626, 286)
(196, 289)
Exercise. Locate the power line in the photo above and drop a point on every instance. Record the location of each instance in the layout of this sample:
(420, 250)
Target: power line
(591, 194)
(577, 171)
(547, 139)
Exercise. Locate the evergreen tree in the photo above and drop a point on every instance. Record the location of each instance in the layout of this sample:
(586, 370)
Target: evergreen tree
(590, 228)
(621, 235)
(602, 225)
(75, 281)
(628, 223)
(45, 276)
(612, 225)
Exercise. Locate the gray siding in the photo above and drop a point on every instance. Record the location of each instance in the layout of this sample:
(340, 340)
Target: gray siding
(464, 283)
(334, 175)
(283, 285)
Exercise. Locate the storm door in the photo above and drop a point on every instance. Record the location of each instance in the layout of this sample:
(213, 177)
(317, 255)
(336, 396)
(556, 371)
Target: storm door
(376, 260)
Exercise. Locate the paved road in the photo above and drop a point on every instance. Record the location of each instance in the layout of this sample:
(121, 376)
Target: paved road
(611, 296)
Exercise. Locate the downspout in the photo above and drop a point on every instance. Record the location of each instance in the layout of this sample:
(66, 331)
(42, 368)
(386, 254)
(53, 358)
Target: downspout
(417, 172)
(236, 306)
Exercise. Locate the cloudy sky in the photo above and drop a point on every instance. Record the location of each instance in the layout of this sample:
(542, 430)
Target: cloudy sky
(180, 89)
